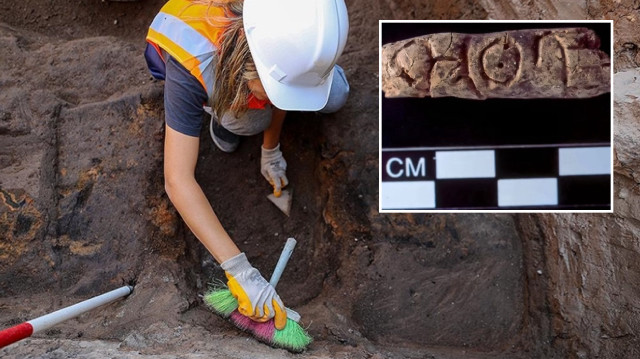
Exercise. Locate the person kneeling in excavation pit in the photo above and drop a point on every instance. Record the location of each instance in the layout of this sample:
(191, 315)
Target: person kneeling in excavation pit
(246, 63)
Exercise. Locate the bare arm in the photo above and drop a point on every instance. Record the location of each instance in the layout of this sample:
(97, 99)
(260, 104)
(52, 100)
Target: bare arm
(272, 133)
(180, 156)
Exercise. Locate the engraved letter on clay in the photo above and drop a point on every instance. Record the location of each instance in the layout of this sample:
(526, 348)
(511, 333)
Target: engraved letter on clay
(544, 63)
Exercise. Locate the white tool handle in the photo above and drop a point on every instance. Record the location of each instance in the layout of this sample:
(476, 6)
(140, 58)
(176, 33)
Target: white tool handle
(26, 329)
(282, 262)
(47, 321)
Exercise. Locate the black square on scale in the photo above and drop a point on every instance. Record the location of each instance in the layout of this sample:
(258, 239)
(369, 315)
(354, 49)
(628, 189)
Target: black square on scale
(467, 193)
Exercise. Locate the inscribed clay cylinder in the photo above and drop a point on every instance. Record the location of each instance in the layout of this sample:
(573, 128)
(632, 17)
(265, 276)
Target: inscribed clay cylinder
(542, 63)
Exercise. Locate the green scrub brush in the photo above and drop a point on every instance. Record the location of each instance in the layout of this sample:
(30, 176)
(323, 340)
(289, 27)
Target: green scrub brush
(292, 337)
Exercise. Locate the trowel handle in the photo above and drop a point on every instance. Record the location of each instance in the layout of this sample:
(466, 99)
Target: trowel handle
(282, 262)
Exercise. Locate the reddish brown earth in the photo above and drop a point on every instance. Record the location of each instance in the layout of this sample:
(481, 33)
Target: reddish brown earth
(83, 210)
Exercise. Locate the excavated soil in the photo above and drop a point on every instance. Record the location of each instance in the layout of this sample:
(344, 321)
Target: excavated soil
(83, 211)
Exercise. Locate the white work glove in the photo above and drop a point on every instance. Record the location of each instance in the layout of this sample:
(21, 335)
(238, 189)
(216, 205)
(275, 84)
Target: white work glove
(257, 299)
(274, 168)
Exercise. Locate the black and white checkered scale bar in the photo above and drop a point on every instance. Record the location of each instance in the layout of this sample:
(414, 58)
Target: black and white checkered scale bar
(500, 177)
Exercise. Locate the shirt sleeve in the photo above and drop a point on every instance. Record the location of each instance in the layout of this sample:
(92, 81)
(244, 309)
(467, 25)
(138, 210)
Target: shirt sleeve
(184, 97)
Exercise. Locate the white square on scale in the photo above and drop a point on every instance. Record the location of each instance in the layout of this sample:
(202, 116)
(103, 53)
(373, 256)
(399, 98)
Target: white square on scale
(407, 195)
(528, 192)
(465, 164)
(584, 161)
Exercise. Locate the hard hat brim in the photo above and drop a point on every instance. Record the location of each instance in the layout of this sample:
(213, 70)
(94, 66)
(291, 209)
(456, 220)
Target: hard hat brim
(291, 97)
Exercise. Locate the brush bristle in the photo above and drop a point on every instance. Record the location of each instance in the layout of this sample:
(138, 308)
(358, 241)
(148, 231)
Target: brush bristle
(261, 331)
(264, 331)
(241, 322)
(293, 337)
(221, 301)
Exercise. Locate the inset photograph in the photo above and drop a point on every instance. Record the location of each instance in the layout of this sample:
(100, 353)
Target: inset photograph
(495, 116)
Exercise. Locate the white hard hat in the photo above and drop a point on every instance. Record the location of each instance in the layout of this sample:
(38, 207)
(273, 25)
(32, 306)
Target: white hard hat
(295, 45)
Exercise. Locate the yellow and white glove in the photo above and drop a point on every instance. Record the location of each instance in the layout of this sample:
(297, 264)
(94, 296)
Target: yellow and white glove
(257, 299)
(274, 169)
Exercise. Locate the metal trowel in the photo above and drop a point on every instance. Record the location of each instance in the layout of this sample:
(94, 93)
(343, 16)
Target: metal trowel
(284, 201)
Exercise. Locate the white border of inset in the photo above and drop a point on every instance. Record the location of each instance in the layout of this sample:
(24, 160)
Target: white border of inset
(380, 22)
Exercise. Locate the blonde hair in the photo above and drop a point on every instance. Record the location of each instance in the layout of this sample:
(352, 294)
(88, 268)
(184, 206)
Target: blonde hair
(234, 65)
